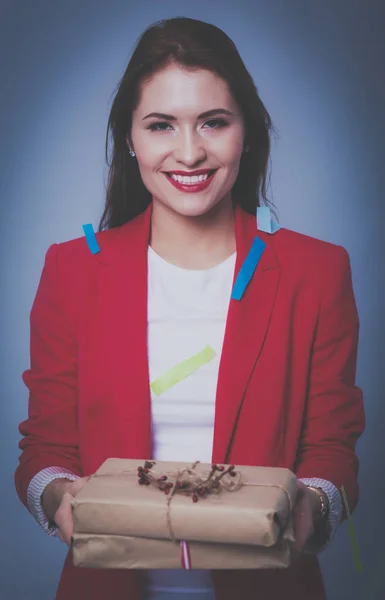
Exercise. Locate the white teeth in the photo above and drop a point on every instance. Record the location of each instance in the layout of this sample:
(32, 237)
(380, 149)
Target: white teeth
(189, 180)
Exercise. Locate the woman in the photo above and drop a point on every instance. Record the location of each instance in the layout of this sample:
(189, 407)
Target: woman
(190, 155)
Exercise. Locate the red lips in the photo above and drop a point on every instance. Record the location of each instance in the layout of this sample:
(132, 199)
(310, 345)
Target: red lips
(200, 186)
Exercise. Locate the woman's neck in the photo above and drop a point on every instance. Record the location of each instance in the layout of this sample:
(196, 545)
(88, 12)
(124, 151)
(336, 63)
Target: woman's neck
(195, 243)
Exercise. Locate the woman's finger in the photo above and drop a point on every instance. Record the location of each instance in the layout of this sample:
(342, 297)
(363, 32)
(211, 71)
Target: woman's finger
(63, 515)
(63, 518)
(302, 518)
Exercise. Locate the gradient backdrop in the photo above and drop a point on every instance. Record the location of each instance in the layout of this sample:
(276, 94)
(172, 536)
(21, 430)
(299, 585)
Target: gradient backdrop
(318, 65)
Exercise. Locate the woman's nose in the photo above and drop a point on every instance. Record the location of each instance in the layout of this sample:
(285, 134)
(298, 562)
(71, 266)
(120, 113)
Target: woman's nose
(190, 149)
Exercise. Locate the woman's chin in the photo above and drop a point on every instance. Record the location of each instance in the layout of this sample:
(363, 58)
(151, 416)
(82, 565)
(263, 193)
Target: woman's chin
(193, 208)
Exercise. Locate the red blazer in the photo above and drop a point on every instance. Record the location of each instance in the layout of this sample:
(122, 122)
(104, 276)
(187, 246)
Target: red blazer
(286, 394)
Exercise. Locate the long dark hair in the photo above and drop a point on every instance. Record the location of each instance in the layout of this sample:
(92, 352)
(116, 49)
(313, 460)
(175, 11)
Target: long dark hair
(192, 44)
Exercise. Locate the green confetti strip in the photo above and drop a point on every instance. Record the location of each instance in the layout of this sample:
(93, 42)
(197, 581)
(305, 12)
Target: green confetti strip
(182, 370)
(352, 533)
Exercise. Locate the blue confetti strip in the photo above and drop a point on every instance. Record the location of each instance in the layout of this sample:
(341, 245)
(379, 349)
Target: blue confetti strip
(264, 220)
(247, 270)
(91, 238)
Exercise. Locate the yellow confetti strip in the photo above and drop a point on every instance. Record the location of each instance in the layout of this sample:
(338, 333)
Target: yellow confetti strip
(182, 370)
(352, 533)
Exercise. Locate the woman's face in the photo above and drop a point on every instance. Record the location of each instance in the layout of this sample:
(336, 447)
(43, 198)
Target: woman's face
(187, 121)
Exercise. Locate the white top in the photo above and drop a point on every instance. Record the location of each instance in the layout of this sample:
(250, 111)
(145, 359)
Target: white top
(187, 311)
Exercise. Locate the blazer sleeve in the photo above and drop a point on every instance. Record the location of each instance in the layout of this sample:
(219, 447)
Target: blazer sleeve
(334, 417)
(50, 433)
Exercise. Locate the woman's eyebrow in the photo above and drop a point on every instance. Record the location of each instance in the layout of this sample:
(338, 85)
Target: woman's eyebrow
(208, 113)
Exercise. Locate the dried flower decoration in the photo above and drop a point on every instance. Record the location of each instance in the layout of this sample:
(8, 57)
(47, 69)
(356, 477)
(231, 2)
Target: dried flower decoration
(188, 482)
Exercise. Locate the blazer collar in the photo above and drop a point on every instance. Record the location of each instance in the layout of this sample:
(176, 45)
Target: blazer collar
(124, 244)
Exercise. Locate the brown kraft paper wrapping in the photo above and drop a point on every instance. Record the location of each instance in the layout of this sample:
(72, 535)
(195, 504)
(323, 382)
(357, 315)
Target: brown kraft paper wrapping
(120, 524)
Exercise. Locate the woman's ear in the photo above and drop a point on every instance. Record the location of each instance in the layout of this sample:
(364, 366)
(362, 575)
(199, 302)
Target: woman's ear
(130, 147)
(129, 143)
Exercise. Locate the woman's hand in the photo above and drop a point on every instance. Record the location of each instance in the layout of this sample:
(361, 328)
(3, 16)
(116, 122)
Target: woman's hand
(303, 514)
(56, 501)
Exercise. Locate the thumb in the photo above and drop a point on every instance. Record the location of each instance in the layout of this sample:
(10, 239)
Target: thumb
(63, 518)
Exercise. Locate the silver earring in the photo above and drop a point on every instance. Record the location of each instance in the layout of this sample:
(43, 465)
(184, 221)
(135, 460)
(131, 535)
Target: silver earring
(246, 149)
(132, 153)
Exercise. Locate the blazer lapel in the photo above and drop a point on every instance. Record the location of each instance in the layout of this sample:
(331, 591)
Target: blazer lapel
(122, 293)
(246, 328)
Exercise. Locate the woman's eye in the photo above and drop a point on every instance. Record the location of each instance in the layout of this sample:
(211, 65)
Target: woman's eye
(216, 123)
(160, 126)
(211, 124)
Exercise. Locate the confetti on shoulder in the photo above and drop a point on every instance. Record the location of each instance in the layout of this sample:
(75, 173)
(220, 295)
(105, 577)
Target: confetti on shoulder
(91, 238)
(247, 269)
(265, 222)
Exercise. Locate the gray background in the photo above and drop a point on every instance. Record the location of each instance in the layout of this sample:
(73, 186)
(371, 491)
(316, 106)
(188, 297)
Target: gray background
(319, 67)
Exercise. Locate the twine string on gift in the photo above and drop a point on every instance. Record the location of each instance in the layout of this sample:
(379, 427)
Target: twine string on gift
(189, 482)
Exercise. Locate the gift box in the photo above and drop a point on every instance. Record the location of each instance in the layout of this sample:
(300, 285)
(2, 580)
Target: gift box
(237, 517)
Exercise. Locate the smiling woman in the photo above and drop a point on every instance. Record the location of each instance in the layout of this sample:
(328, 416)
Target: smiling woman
(186, 86)
(190, 150)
